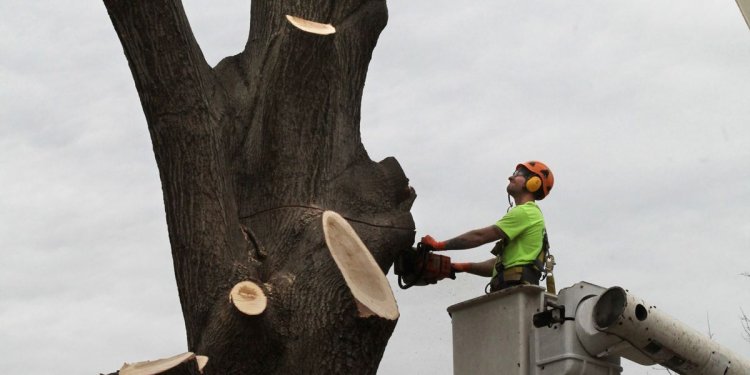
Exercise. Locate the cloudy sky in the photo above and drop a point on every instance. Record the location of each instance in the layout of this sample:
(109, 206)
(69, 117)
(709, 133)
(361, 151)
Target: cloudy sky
(641, 108)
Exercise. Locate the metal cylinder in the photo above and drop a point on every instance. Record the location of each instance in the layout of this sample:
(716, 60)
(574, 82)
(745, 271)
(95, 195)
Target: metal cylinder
(662, 338)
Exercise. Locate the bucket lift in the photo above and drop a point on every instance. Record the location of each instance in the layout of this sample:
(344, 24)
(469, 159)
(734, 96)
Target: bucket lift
(584, 330)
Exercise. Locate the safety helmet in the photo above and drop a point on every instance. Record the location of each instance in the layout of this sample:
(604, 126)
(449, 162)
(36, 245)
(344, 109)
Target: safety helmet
(542, 180)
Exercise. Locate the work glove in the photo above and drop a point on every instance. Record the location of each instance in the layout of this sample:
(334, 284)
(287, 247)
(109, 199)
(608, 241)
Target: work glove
(432, 243)
(460, 267)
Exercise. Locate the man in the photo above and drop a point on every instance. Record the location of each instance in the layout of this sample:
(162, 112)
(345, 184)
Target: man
(521, 233)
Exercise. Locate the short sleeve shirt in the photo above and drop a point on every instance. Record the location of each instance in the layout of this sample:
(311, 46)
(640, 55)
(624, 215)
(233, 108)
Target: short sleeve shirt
(524, 226)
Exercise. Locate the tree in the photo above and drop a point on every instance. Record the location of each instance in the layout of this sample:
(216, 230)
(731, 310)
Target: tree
(250, 154)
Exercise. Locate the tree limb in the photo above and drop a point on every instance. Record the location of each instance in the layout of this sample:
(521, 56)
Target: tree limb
(168, 66)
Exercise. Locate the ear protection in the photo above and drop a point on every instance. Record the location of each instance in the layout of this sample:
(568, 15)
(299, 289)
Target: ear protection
(539, 180)
(533, 184)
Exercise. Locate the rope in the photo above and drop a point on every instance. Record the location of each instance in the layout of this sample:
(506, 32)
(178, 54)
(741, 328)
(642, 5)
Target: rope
(322, 210)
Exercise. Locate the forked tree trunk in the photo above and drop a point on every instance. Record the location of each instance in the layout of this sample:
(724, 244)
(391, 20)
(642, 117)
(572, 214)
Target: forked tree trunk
(250, 154)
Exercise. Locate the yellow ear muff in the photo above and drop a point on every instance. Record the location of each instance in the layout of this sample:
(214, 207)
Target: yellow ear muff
(533, 184)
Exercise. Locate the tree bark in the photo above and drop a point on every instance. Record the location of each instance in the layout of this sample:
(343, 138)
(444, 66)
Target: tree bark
(250, 153)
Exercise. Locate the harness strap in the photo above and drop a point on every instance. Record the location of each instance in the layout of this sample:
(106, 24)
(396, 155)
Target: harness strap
(542, 257)
(525, 274)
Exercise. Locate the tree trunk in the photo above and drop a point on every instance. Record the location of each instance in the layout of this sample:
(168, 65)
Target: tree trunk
(250, 154)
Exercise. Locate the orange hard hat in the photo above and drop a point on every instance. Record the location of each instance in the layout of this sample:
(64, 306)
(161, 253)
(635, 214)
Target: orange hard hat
(542, 180)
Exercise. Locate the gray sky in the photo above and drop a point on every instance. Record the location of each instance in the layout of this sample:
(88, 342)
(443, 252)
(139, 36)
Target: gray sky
(639, 107)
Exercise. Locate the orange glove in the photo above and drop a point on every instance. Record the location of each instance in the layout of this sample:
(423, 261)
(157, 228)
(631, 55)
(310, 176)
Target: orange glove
(431, 242)
(460, 267)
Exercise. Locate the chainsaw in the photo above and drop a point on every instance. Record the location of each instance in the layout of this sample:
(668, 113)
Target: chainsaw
(419, 266)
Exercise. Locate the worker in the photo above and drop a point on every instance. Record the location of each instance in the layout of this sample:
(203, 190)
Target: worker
(520, 234)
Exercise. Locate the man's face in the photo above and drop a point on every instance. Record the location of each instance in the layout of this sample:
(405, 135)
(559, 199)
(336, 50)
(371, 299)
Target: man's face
(517, 181)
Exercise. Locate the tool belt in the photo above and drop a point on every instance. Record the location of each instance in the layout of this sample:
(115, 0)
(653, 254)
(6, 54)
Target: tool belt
(526, 274)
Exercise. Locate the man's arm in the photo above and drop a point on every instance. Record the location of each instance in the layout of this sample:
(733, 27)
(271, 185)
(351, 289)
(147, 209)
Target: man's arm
(474, 238)
(480, 268)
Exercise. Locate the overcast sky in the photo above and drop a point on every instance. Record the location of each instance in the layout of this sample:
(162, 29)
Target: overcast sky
(641, 108)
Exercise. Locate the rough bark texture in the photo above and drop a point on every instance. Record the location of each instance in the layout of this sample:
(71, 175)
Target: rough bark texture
(250, 153)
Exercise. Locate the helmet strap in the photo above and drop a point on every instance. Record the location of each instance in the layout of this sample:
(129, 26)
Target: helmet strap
(510, 204)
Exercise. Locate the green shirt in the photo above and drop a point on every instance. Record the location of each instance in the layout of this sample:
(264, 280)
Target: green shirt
(524, 226)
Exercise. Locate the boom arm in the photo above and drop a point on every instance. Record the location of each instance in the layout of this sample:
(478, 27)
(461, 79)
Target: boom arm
(662, 338)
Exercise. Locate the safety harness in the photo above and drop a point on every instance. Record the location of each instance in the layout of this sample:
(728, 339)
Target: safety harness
(540, 269)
